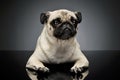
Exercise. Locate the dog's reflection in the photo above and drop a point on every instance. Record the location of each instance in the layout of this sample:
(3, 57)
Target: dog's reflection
(58, 72)
(59, 76)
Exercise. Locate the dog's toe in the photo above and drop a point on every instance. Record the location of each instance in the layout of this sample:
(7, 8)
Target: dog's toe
(78, 69)
(44, 69)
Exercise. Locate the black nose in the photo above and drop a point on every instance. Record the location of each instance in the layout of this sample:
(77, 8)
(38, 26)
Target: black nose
(67, 31)
(66, 26)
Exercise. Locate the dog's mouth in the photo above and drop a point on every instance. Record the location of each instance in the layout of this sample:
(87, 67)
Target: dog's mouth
(65, 31)
(66, 34)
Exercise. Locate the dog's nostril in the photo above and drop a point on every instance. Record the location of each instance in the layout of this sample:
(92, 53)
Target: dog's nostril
(66, 30)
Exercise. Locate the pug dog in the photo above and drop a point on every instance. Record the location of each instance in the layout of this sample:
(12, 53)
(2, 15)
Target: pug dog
(58, 44)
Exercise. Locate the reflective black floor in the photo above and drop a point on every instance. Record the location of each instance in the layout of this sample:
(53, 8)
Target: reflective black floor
(104, 65)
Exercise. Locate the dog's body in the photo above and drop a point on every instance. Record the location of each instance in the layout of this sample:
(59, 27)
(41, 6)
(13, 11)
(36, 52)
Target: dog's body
(57, 43)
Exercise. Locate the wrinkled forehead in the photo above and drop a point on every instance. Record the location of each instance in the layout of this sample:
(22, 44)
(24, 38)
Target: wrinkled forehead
(63, 14)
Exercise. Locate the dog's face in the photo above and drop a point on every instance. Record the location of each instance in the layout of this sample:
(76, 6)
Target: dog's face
(62, 24)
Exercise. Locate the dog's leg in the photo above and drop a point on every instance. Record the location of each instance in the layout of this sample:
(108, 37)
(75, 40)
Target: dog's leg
(81, 66)
(33, 66)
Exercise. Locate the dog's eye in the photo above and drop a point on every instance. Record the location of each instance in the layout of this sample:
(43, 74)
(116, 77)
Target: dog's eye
(73, 20)
(56, 21)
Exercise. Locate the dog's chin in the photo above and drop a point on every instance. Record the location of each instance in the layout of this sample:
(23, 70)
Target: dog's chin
(65, 37)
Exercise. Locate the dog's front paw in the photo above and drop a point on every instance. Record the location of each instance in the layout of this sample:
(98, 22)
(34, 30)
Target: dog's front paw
(36, 68)
(43, 69)
(78, 69)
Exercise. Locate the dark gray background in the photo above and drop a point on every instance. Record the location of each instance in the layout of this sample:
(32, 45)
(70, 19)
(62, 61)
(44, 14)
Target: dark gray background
(99, 30)
(20, 25)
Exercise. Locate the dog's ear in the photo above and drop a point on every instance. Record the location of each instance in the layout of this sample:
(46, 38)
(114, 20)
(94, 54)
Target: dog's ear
(79, 16)
(44, 17)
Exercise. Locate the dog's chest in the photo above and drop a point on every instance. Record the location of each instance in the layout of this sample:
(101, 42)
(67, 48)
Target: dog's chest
(60, 55)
